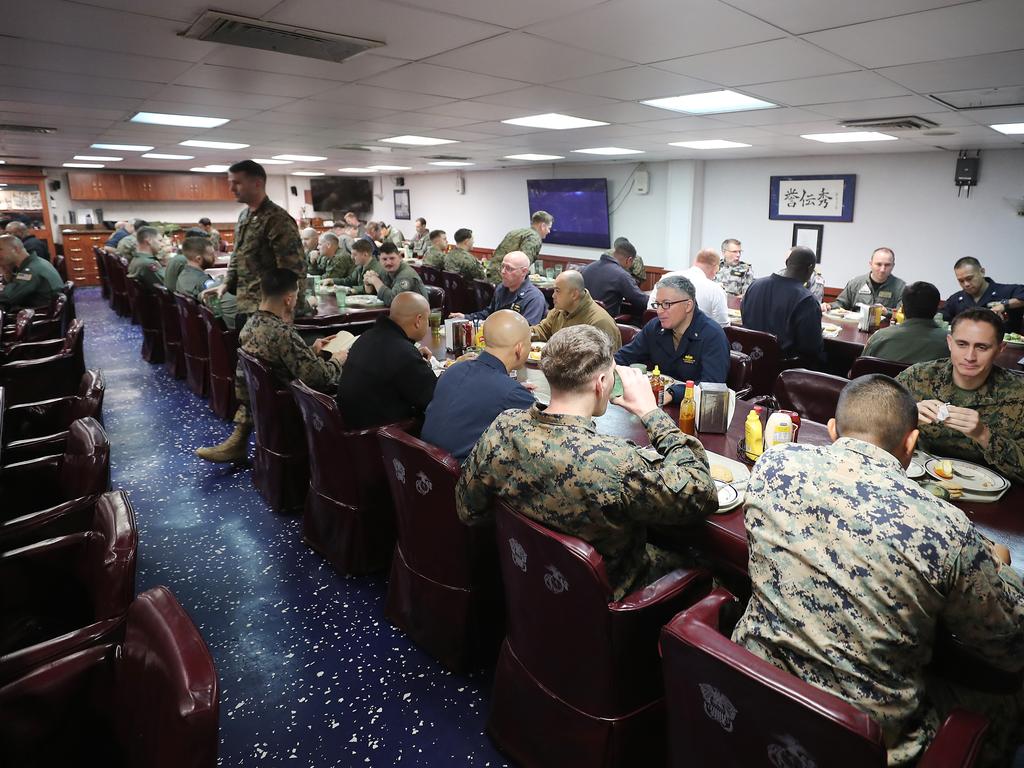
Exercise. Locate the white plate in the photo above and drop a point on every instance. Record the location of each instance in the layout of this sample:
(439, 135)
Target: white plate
(1014, 343)
(982, 480)
(728, 497)
(364, 301)
(915, 470)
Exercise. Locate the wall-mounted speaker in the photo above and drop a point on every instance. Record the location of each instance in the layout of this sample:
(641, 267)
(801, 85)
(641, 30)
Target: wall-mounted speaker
(460, 185)
(54, 185)
(295, 191)
(642, 182)
(399, 181)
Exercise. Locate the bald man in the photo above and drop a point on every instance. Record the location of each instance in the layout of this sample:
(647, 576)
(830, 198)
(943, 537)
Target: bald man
(28, 281)
(516, 292)
(386, 376)
(575, 306)
(32, 244)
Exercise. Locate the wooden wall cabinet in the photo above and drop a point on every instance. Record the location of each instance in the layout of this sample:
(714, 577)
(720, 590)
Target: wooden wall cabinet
(148, 186)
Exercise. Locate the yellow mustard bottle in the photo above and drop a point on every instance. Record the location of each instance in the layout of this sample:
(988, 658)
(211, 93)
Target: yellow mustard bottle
(753, 436)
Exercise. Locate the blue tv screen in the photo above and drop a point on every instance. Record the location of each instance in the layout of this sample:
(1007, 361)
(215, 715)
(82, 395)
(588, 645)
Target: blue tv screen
(580, 208)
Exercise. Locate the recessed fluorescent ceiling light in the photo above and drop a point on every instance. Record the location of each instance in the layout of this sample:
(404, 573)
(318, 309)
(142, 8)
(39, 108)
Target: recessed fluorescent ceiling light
(266, 161)
(123, 147)
(358, 170)
(161, 156)
(391, 167)
(553, 121)
(211, 169)
(188, 121)
(531, 156)
(608, 151)
(450, 163)
(83, 165)
(300, 158)
(840, 138)
(708, 144)
(709, 103)
(418, 141)
(1009, 128)
(211, 144)
(307, 173)
(98, 158)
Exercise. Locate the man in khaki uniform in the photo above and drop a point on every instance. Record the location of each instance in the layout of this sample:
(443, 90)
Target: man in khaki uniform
(574, 306)
(399, 277)
(527, 240)
(459, 259)
(434, 257)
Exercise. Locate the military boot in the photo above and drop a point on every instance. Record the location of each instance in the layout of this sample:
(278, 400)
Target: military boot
(235, 448)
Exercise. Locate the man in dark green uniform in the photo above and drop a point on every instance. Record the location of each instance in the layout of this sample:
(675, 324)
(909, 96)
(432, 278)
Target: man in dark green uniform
(332, 262)
(29, 281)
(526, 240)
(144, 266)
(459, 259)
(389, 233)
(199, 255)
(400, 276)
(362, 254)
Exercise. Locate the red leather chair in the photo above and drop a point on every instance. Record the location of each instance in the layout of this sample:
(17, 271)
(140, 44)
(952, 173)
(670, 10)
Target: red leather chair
(437, 299)
(864, 365)
(18, 332)
(193, 341)
(430, 275)
(349, 517)
(65, 593)
(56, 375)
(148, 701)
(812, 394)
(133, 287)
(460, 293)
(147, 307)
(223, 345)
(174, 352)
(731, 709)
(37, 429)
(445, 590)
(578, 681)
(59, 520)
(82, 469)
(765, 355)
(118, 272)
(101, 270)
(60, 266)
(741, 371)
(281, 466)
(484, 293)
(627, 332)
(70, 313)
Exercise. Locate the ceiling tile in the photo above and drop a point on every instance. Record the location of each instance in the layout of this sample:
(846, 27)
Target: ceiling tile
(384, 98)
(995, 116)
(363, 65)
(214, 99)
(442, 81)
(428, 120)
(178, 107)
(760, 63)
(34, 78)
(511, 15)
(187, 10)
(474, 110)
(778, 116)
(59, 109)
(825, 89)
(84, 61)
(800, 16)
(897, 106)
(324, 111)
(39, 96)
(987, 71)
(687, 123)
(622, 112)
(252, 81)
(636, 83)
(537, 99)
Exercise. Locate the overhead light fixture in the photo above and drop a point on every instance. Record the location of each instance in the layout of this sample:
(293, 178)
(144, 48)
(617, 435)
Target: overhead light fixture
(161, 156)
(270, 161)
(608, 151)
(211, 144)
(98, 158)
(358, 170)
(84, 165)
(849, 136)
(308, 173)
(211, 169)
(450, 163)
(391, 167)
(1010, 129)
(708, 144)
(123, 147)
(532, 156)
(418, 141)
(187, 121)
(300, 158)
(553, 121)
(709, 103)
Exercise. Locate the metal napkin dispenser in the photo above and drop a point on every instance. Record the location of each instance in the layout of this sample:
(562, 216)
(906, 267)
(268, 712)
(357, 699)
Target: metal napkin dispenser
(713, 410)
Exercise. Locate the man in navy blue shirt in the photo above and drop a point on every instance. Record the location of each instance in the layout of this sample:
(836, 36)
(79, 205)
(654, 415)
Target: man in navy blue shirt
(471, 394)
(609, 281)
(1005, 299)
(372, 234)
(515, 292)
(682, 341)
(779, 304)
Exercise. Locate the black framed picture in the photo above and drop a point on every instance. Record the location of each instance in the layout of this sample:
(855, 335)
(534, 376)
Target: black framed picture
(402, 208)
(827, 197)
(809, 236)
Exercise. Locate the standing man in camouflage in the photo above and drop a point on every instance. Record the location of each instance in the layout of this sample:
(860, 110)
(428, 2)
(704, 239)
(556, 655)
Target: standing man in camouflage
(553, 466)
(970, 408)
(29, 281)
(734, 275)
(400, 277)
(853, 566)
(144, 267)
(421, 242)
(526, 240)
(434, 256)
(459, 259)
(266, 238)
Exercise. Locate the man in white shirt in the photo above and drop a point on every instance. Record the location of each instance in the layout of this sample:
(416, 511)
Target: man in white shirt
(710, 296)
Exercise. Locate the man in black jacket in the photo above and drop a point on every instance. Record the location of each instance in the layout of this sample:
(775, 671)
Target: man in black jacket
(32, 244)
(386, 378)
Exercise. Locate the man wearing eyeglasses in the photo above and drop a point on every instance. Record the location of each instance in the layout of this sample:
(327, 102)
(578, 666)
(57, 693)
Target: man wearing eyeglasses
(734, 274)
(515, 292)
(682, 341)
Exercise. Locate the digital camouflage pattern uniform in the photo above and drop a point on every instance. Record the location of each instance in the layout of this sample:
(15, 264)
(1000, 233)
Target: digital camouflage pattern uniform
(735, 279)
(192, 282)
(276, 342)
(33, 283)
(146, 270)
(355, 277)
(638, 270)
(338, 267)
(405, 279)
(852, 566)
(559, 471)
(526, 240)
(463, 262)
(999, 403)
(434, 257)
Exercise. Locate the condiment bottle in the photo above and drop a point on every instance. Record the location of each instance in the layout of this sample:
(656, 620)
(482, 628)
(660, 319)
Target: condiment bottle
(752, 434)
(657, 386)
(778, 430)
(688, 411)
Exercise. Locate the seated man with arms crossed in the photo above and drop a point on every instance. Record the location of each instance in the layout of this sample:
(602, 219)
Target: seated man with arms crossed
(918, 337)
(454, 421)
(516, 292)
(971, 408)
(853, 566)
(553, 466)
(574, 306)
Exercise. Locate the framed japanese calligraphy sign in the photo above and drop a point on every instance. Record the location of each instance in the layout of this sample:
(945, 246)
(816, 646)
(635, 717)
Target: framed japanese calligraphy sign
(812, 198)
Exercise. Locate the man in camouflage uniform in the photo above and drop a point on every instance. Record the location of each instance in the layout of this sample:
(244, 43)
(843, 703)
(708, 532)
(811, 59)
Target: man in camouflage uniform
(365, 261)
(734, 275)
(421, 242)
(434, 256)
(199, 256)
(144, 267)
(459, 259)
(399, 277)
(389, 233)
(553, 467)
(330, 261)
(526, 240)
(213, 234)
(853, 566)
(126, 245)
(266, 237)
(29, 281)
(970, 408)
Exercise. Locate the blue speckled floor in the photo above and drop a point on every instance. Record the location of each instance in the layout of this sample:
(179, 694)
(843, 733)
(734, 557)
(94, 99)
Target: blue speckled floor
(310, 671)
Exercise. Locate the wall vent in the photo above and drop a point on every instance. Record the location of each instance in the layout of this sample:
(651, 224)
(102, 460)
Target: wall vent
(361, 148)
(26, 128)
(905, 123)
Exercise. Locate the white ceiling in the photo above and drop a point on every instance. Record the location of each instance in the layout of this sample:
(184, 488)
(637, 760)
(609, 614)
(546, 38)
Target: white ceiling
(456, 68)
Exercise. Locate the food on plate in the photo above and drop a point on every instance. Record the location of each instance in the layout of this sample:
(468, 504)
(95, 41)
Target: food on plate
(955, 490)
(1014, 338)
(937, 490)
(944, 469)
(535, 349)
(830, 328)
(718, 472)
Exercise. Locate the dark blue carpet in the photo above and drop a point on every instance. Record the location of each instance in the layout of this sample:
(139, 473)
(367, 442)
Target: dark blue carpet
(309, 669)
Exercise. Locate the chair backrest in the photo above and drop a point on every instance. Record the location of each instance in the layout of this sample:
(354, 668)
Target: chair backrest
(741, 371)
(147, 307)
(132, 287)
(89, 401)
(436, 298)
(864, 365)
(430, 275)
(86, 465)
(275, 415)
(69, 293)
(193, 332)
(627, 332)
(765, 355)
(221, 341)
(166, 693)
(168, 314)
(484, 293)
(101, 261)
(23, 325)
(58, 375)
(329, 472)
(60, 266)
(74, 345)
(812, 394)
(460, 293)
(727, 707)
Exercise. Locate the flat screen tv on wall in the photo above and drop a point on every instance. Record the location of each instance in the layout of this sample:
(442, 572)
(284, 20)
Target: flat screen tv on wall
(580, 208)
(333, 195)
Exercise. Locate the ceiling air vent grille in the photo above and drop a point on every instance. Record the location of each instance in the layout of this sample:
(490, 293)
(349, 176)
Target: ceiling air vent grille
(361, 148)
(26, 128)
(447, 157)
(226, 28)
(907, 123)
